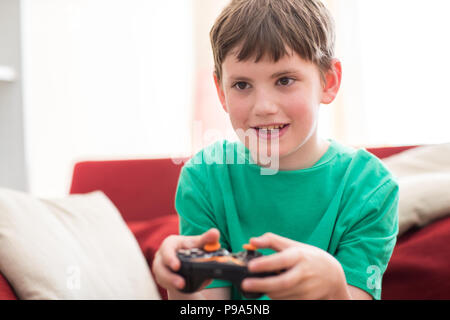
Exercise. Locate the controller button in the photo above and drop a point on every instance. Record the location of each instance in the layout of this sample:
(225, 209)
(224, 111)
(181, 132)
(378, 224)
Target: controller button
(210, 247)
(249, 247)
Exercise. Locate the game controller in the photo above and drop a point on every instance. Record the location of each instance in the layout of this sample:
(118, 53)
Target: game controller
(214, 262)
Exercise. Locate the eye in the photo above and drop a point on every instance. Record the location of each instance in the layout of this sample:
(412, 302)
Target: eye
(241, 85)
(285, 82)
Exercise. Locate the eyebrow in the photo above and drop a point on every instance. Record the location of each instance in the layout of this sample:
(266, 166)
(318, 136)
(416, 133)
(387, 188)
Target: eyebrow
(275, 75)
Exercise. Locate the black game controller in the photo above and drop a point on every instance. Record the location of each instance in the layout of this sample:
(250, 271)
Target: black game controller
(212, 262)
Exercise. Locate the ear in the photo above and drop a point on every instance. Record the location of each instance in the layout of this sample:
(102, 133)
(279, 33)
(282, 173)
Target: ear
(333, 79)
(220, 92)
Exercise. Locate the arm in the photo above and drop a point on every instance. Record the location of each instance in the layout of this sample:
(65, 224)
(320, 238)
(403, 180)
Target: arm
(206, 294)
(194, 207)
(311, 273)
(369, 240)
(315, 274)
(358, 294)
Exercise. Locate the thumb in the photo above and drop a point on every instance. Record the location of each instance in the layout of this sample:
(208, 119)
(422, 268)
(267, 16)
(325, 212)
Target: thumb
(273, 241)
(210, 236)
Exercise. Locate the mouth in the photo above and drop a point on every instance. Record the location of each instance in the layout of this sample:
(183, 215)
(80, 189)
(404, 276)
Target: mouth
(272, 131)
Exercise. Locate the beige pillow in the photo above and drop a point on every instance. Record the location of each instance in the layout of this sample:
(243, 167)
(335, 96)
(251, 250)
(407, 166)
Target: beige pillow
(77, 247)
(423, 198)
(423, 174)
(426, 159)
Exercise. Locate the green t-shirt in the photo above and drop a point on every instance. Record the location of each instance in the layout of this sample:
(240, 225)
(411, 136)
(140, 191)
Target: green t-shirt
(345, 204)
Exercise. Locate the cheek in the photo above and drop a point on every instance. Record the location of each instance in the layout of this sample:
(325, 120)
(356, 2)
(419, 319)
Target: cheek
(304, 104)
(301, 112)
(238, 111)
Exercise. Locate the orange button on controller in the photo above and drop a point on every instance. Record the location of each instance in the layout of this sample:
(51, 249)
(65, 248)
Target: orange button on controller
(210, 247)
(249, 247)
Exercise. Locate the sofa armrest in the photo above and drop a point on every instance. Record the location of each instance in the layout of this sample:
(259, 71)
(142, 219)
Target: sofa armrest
(418, 269)
(141, 189)
(150, 234)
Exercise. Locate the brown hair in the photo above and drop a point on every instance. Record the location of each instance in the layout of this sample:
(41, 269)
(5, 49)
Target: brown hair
(262, 27)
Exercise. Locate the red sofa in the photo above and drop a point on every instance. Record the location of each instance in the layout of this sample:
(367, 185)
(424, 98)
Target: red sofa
(144, 193)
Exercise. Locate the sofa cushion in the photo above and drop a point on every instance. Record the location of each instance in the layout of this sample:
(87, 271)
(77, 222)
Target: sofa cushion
(419, 267)
(6, 292)
(424, 159)
(424, 198)
(77, 247)
(423, 175)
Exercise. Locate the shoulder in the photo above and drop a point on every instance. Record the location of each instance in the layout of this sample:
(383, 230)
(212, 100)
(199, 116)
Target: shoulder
(366, 177)
(195, 175)
(212, 158)
(370, 195)
(361, 165)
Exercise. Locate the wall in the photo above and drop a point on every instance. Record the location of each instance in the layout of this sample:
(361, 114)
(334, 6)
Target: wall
(210, 122)
(12, 145)
(105, 80)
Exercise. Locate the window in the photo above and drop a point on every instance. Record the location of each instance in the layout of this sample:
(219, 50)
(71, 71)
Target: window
(395, 70)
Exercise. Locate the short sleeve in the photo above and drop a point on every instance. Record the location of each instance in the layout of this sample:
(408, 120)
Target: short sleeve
(193, 205)
(365, 249)
(192, 202)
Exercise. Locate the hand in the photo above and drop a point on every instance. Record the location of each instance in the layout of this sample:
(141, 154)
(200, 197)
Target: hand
(166, 260)
(310, 273)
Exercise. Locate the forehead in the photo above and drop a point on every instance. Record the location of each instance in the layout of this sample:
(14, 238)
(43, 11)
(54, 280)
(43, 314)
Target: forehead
(232, 68)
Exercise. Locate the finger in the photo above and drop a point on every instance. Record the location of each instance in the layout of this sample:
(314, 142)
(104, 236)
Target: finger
(273, 241)
(168, 251)
(283, 282)
(212, 235)
(302, 291)
(173, 243)
(165, 277)
(285, 259)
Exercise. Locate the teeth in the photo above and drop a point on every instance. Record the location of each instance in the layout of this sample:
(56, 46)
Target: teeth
(272, 127)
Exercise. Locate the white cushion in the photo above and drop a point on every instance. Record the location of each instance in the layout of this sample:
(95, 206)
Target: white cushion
(423, 174)
(77, 247)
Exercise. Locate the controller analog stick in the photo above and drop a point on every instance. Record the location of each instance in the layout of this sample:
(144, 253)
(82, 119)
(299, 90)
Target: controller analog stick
(211, 247)
(249, 247)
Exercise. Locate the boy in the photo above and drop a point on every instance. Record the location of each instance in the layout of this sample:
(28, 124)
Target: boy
(328, 215)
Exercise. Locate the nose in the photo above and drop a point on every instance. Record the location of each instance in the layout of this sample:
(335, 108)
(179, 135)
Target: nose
(264, 105)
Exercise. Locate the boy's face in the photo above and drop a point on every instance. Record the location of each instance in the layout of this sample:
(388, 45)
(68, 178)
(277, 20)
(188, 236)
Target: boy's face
(289, 91)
